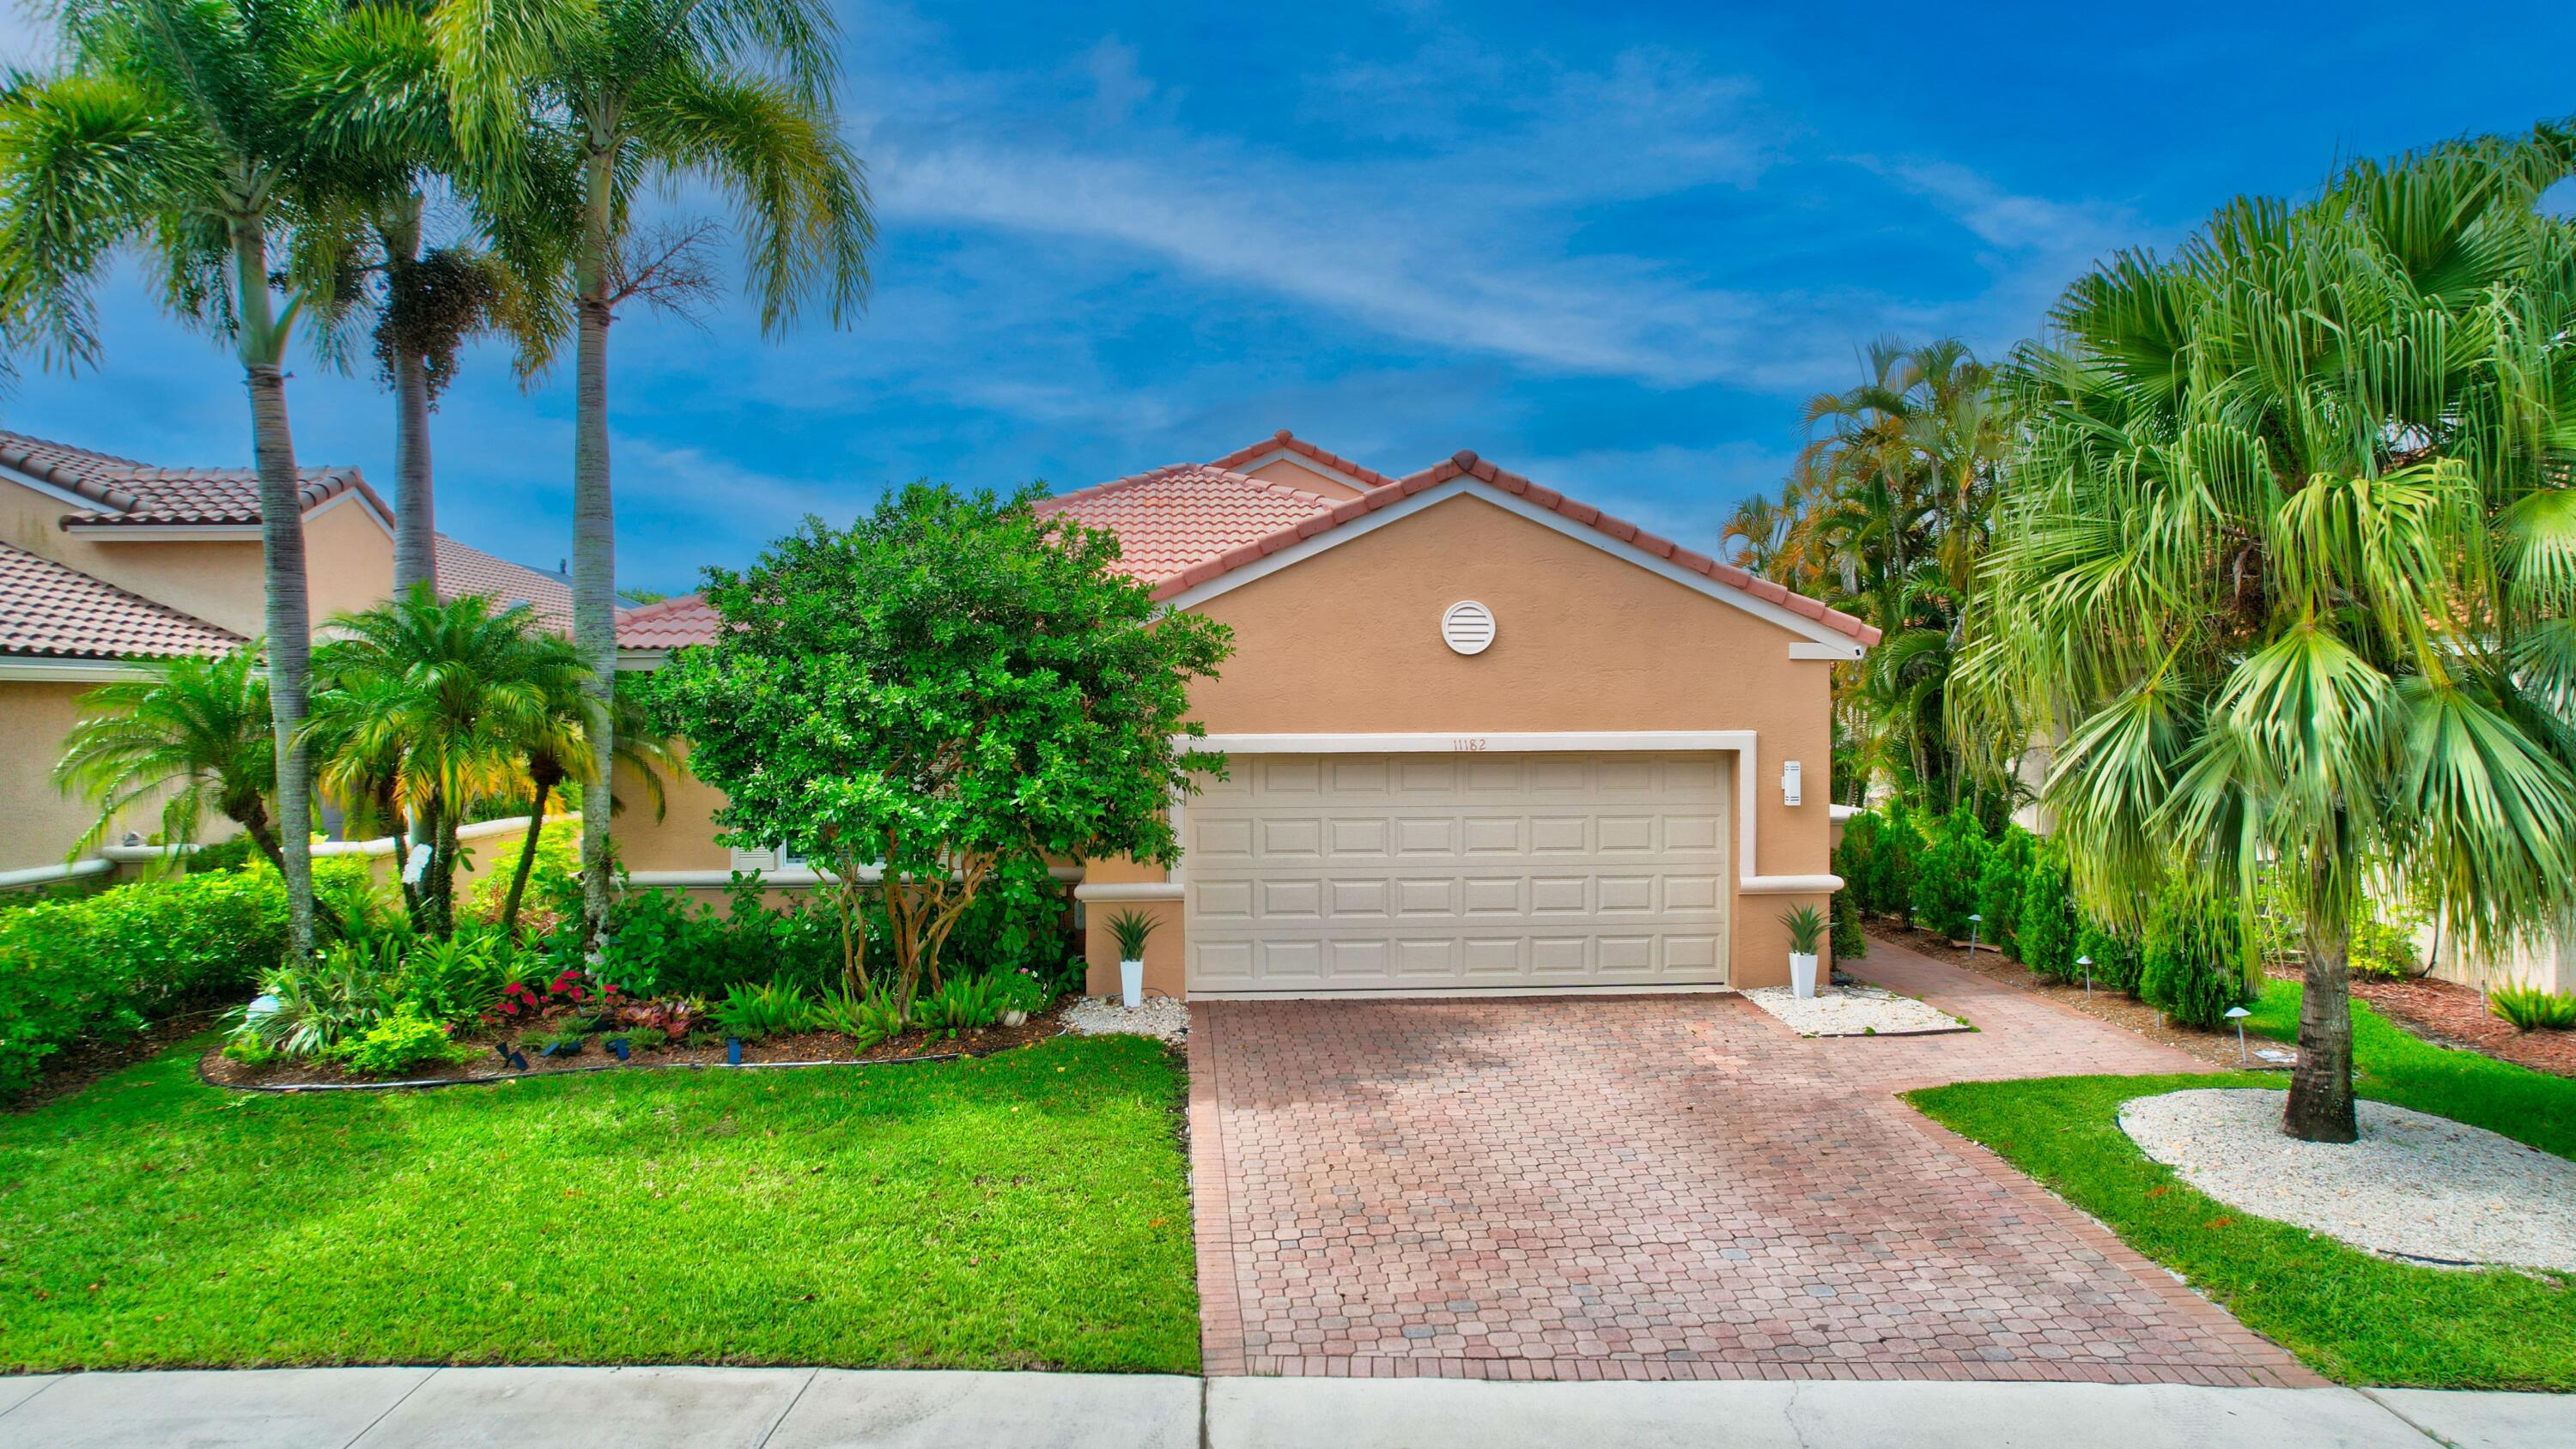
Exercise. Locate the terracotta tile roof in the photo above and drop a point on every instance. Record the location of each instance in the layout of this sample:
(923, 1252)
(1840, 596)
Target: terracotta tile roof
(52, 610)
(669, 624)
(1294, 444)
(1467, 464)
(128, 492)
(1174, 517)
(463, 569)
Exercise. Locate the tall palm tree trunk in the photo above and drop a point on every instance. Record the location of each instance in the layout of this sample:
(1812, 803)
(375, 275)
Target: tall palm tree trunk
(594, 536)
(289, 615)
(415, 504)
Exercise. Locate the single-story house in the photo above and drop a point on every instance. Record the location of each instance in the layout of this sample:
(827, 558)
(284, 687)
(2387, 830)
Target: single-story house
(1483, 738)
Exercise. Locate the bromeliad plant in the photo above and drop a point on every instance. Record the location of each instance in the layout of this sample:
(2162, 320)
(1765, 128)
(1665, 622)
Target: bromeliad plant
(2290, 566)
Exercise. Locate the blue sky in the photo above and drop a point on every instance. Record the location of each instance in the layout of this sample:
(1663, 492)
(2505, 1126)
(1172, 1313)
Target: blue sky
(1613, 247)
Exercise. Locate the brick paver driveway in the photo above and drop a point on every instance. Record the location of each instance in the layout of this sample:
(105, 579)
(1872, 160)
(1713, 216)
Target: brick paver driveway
(1659, 1187)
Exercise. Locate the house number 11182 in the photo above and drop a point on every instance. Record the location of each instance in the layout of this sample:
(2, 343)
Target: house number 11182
(1468, 744)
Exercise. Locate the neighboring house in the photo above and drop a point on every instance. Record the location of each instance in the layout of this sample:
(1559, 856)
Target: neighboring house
(105, 561)
(1483, 737)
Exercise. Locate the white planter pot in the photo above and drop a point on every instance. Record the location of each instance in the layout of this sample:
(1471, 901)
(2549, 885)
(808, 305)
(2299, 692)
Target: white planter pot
(1131, 984)
(1802, 974)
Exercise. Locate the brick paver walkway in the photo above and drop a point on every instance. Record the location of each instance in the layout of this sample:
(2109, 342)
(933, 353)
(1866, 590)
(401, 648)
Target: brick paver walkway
(1659, 1187)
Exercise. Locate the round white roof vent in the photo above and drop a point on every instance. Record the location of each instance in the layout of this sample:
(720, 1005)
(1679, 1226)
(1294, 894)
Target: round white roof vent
(1468, 627)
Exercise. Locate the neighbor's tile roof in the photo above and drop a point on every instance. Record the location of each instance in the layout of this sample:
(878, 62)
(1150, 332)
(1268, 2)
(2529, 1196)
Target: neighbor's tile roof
(1174, 517)
(1294, 444)
(52, 610)
(128, 492)
(464, 569)
(688, 619)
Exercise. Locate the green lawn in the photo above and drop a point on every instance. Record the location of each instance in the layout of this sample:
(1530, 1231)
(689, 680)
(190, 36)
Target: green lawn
(1026, 1210)
(2351, 1316)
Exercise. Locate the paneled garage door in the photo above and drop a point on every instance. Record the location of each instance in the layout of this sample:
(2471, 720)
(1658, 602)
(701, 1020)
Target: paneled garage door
(1354, 873)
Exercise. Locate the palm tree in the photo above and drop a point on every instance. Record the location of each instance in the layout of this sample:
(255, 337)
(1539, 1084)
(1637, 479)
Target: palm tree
(2290, 564)
(194, 732)
(439, 696)
(614, 93)
(370, 94)
(557, 748)
(169, 134)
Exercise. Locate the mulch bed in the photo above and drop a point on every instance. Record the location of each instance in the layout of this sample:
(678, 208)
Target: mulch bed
(487, 1066)
(2446, 1013)
(2106, 1004)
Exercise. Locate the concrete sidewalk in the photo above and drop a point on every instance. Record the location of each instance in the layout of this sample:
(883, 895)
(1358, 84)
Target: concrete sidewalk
(407, 1408)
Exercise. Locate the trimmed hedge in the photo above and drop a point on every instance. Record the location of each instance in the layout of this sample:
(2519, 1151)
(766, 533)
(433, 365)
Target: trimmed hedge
(103, 967)
(2194, 967)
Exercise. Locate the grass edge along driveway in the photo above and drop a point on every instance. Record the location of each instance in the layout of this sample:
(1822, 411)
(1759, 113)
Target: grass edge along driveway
(1027, 1210)
(2352, 1316)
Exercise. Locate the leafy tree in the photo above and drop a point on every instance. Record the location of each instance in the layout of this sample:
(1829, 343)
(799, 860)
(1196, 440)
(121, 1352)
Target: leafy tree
(939, 699)
(2046, 930)
(2195, 964)
(1899, 849)
(1855, 858)
(2292, 569)
(171, 134)
(193, 731)
(579, 103)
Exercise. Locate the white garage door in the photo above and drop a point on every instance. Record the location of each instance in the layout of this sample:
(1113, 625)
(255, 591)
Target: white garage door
(1354, 873)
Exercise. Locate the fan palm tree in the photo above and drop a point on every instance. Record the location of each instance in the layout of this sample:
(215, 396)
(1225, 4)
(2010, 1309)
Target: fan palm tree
(612, 94)
(439, 696)
(2290, 564)
(169, 135)
(194, 732)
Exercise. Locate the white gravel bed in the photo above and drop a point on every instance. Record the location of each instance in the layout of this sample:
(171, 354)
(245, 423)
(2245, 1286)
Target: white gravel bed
(1103, 1015)
(2415, 1186)
(1852, 1011)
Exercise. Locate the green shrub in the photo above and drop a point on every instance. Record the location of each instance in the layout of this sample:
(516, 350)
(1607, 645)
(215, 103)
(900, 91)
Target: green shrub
(865, 1020)
(231, 854)
(554, 887)
(2382, 949)
(776, 1008)
(1898, 859)
(106, 965)
(1856, 859)
(2117, 957)
(2046, 929)
(2531, 1009)
(1026, 989)
(458, 979)
(1850, 942)
(1945, 881)
(2193, 964)
(2000, 884)
(309, 1009)
(400, 1042)
(660, 943)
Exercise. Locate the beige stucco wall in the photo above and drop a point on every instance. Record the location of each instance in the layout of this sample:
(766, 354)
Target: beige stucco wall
(1349, 642)
(683, 839)
(348, 558)
(41, 823)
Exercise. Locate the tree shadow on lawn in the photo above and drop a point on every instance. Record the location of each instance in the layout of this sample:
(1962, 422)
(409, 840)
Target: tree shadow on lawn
(1028, 1210)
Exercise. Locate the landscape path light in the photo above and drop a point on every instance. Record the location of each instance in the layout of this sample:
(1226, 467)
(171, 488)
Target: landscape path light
(2087, 963)
(1975, 923)
(2237, 1014)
